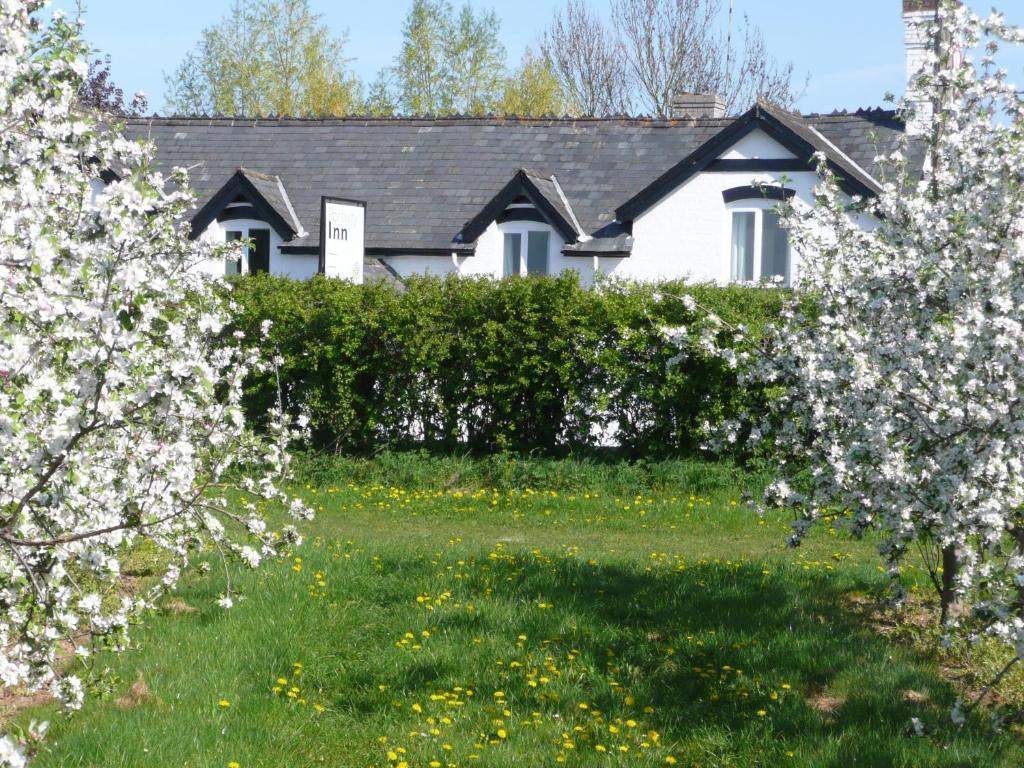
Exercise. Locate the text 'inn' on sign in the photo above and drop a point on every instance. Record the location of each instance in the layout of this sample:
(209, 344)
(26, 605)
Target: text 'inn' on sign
(342, 234)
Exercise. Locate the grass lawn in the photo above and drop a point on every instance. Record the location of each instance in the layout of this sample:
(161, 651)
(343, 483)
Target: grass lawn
(428, 623)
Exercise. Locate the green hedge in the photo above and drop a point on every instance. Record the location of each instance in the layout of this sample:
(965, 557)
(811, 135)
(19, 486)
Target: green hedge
(526, 365)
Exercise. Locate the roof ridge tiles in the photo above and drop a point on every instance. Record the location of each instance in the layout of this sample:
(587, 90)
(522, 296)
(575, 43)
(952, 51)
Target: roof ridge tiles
(230, 120)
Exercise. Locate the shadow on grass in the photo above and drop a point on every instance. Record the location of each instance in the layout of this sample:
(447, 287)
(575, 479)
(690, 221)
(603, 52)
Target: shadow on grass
(710, 644)
(705, 647)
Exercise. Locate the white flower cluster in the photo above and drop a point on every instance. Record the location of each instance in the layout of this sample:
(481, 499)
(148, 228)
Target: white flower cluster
(899, 402)
(120, 412)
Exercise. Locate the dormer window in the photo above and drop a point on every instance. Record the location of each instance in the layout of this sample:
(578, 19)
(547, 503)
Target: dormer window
(258, 257)
(533, 215)
(530, 247)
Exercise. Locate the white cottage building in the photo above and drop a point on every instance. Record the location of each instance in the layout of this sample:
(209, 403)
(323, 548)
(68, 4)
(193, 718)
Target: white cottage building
(691, 197)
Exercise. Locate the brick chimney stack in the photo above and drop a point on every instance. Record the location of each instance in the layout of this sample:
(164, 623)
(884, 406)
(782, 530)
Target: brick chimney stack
(691, 105)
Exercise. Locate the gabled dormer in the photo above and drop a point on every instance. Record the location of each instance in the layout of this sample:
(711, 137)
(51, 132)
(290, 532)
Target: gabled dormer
(534, 219)
(251, 195)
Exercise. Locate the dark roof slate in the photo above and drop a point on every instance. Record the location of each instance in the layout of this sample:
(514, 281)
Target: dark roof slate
(423, 179)
(273, 192)
(551, 190)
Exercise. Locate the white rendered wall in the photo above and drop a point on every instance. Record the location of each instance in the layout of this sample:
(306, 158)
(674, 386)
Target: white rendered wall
(489, 258)
(688, 233)
(758, 145)
(409, 264)
(297, 266)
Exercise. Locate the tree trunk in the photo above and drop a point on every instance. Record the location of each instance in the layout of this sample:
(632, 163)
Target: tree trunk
(1018, 537)
(950, 570)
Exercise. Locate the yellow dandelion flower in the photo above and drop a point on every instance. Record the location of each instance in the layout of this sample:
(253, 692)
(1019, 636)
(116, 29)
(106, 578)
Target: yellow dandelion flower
(223, 703)
(761, 713)
(502, 733)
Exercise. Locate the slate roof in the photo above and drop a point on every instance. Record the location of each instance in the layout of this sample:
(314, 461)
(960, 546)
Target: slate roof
(854, 133)
(424, 179)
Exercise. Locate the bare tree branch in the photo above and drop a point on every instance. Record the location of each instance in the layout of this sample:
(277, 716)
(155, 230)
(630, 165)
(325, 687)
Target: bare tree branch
(588, 61)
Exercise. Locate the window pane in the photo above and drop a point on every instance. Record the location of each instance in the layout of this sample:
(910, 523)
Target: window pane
(259, 251)
(513, 246)
(774, 248)
(743, 246)
(537, 252)
(232, 264)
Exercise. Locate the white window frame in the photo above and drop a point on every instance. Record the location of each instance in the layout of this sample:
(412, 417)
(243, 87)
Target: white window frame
(524, 228)
(245, 226)
(758, 208)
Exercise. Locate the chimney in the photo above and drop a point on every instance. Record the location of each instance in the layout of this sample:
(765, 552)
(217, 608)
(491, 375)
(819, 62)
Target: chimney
(919, 16)
(691, 105)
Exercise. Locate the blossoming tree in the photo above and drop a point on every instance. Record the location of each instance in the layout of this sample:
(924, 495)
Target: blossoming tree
(120, 418)
(899, 399)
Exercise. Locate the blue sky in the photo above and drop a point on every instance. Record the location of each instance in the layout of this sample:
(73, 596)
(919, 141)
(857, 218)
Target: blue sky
(853, 51)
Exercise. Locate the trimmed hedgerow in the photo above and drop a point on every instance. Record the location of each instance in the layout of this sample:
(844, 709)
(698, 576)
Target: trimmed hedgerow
(527, 365)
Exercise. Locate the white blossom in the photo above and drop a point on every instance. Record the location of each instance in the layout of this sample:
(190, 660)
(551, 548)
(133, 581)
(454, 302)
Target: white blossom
(120, 401)
(896, 403)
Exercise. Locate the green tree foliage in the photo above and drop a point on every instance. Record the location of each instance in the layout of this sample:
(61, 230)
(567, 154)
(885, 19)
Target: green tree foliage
(533, 89)
(381, 100)
(266, 57)
(421, 68)
(477, 62)
(532, 365)
(450, 63)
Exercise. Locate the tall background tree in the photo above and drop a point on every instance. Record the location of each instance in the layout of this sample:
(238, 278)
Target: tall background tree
(449, 63)
(420, 72)
(266, 57)
(652, 49)
(533, 89)
(381, 99)
(476, 60)
(276, 57)
(588, 60)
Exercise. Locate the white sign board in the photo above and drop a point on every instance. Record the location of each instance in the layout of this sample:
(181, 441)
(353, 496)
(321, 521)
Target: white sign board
(342, 232)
